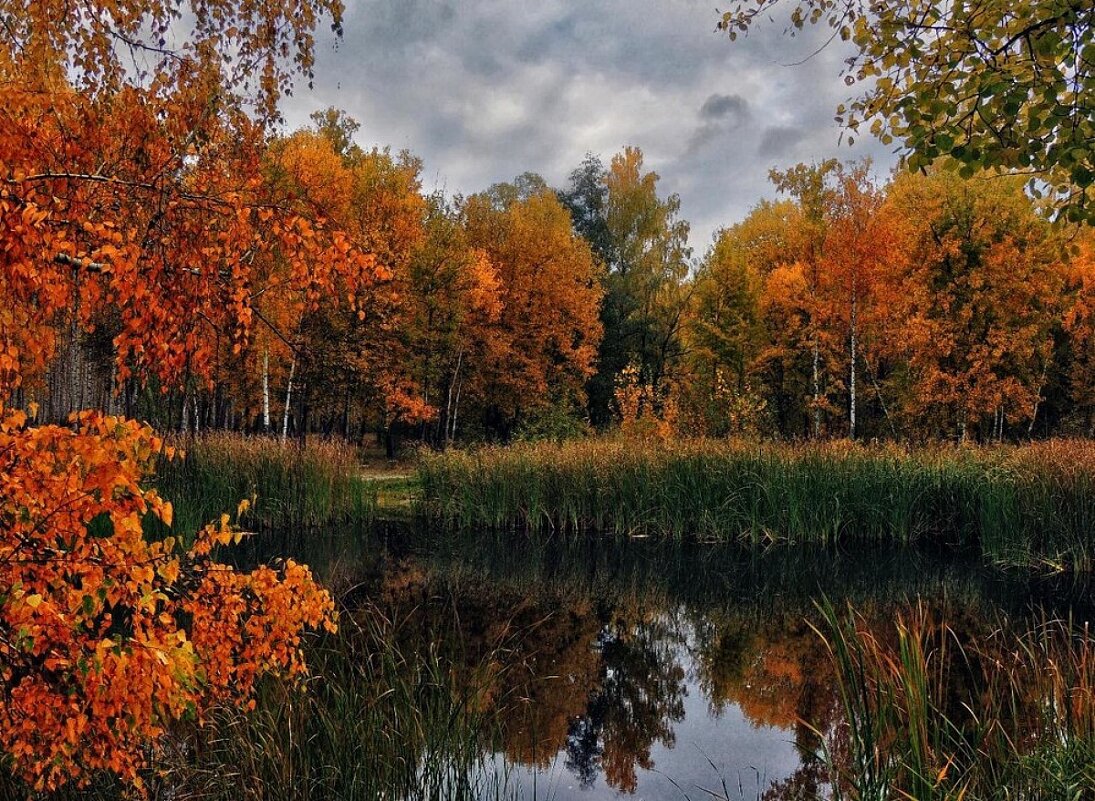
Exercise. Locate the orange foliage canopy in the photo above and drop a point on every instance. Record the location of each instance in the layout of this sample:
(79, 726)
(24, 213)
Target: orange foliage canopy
(105, 637)
(130, 184)
(176, 244)
(973, 289)
(547, 331)
(1079, 322)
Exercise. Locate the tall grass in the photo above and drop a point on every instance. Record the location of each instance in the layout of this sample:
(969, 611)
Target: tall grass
(1034, 503)
(930, 715)
(378, 721)
(292, 484)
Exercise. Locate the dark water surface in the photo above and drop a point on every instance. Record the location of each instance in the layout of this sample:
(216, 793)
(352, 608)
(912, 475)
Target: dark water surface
(647, 669)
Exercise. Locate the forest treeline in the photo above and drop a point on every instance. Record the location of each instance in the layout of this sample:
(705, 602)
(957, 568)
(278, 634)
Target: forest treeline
(917, 306)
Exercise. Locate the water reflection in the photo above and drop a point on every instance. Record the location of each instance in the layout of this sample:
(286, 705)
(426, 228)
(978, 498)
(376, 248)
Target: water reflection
(655, 669)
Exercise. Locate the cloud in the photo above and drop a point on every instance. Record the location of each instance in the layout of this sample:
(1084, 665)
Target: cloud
(484, 90)
(717, 106)
(722, 114)
(777, 140)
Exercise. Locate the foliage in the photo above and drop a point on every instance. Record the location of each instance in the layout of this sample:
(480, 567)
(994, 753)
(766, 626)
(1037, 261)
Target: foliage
(928, 307)
(1079, 324)
(547, 332)
(107, 638)
(132, 197)
(988, 84)
(723, 337)
(645, 411)
(155, 211)
(643, 247)
(973, 297)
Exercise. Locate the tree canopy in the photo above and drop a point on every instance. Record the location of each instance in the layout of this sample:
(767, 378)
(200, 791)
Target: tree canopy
(997, 85)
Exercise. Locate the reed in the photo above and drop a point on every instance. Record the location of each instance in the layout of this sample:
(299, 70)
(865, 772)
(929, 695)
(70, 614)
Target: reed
(377, 721)
(931, 715)
(1020, 504)
(292, 484)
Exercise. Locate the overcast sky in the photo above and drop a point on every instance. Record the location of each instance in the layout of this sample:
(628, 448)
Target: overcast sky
(483, 90)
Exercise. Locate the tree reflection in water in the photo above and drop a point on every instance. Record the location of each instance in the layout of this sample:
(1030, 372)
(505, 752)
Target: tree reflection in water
(639, 698)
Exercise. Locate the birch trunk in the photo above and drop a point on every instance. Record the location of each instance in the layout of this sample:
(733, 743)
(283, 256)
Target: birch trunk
(1037, 402)
(817, 389)
(266, 390)
(449, 412)
(288, 400)
(455, 411)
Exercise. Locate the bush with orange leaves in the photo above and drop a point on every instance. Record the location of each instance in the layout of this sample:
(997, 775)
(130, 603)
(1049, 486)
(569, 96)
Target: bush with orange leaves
(106, 637)
(646, 411)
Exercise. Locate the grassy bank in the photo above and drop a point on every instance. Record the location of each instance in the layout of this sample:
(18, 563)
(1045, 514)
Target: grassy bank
(1020, 505)
(291, 484)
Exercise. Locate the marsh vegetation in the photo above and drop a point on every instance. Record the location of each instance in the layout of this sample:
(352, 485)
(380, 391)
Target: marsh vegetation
(1031, 506)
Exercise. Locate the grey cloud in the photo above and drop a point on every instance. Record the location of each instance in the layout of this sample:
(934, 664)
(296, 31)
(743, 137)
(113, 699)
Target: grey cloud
(722, 114)
(778, 139)
(717, 106)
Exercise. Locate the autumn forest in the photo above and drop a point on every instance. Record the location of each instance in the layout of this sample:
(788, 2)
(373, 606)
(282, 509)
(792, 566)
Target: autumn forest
(909, 307)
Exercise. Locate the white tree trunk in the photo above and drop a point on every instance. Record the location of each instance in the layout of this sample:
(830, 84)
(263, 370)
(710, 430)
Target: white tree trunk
(449, 409)
(1037, 402)
(455, 411)
(817, 388)
(266, 390)
(288, 400)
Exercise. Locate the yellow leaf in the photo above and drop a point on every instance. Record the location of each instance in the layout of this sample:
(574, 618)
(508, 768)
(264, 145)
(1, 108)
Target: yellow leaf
(170, 571)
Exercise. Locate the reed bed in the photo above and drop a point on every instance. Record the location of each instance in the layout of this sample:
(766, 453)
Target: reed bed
(928, 714)
(377, 721)
(291, 484)
(1020, 504)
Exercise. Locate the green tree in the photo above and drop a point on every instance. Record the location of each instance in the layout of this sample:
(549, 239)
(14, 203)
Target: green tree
(586, 197)
(724, 335)
(646, 254)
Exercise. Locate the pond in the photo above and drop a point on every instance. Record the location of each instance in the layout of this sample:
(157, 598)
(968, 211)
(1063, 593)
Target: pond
(612, 667)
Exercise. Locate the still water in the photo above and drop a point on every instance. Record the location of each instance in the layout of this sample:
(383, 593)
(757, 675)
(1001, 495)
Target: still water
(642, 669)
